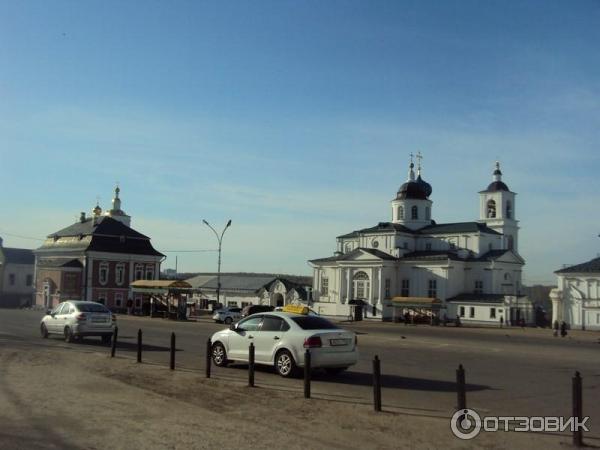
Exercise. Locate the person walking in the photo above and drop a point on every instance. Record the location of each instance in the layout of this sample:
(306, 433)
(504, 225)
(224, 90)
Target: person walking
(556, 327)
(129, 306)
(563, 329)
(501, 321)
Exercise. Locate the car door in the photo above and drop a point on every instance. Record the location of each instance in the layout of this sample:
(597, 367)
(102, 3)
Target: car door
(268, 338)
(62, 317)
(52, 324)
(240, 339)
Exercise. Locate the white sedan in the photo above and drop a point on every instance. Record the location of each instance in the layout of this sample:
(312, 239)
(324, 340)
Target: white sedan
(281, 339)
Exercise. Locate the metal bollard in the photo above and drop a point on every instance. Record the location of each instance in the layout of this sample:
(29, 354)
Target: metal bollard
(172, 351)
(377, 383)
(251, 365)
(113, 347)
(139, 346)
(460, 388)
(208, 357)
(577, 409)
(307, 373)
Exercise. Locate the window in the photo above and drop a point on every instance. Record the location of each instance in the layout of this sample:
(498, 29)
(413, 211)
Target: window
(325, 286)
(414, 213)
(462, 311)
(509, 242)
(428, 246)
(432, 291)
(119, 299)
(491, 209)
(508, 209)
(271, 323)
(231, 304)
(405, 245)
(478, 287)
(149, 273)
(400, 212)
(244, 304)
(472, 312)
(388, 286)
(139, 271)
(103, 275)
(348, 248)
(452, 245)
(314, 323)
(120, 273)
(405, 291)
(138, 302)
(29, 280)
(361, 285)
(492, 313)
(375, 244)
(250, 324)
(102, 298)
(427, 213)
(11, 279)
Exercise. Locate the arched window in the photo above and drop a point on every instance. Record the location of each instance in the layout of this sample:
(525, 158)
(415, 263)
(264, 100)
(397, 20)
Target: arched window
(139, 271)
(427, 213)
(491, 209)
(361, 285)
(400, 212)
(508, 209)
(120, 273)
(509, 242)
(414, 212)
(103, 274)
(348, 248)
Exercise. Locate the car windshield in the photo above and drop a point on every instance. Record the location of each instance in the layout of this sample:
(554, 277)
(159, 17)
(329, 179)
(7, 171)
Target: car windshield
(92, 307)
(314, 323)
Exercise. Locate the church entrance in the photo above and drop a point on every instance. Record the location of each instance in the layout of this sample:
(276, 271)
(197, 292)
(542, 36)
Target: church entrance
(278, 298)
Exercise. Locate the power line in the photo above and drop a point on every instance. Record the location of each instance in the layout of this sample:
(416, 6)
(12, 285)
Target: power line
(188, 251)
(21, 237)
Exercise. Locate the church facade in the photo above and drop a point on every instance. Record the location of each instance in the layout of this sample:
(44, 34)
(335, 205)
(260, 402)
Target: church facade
(413, 265)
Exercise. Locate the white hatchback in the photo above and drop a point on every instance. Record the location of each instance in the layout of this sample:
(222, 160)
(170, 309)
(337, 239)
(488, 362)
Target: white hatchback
(75, 319)
(281, 339)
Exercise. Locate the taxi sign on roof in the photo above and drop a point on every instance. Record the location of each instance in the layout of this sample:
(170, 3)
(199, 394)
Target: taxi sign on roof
(297, 309)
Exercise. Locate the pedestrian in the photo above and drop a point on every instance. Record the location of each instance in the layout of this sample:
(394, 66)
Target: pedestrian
(129, 306)
(406, 318)
(457, 321)
(445, 319)
(563, 329)
(556, 326)
(501, 321)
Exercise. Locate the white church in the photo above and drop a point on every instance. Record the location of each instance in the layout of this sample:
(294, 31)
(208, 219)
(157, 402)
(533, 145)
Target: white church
(413, 265)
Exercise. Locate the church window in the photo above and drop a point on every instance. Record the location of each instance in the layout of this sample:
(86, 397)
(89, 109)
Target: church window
(432, 291)
(492, 313)
(478, 287)
(348, 248)
(427, 213)
(509, 242)
(102, 298)
(120, 273)
(324, 286)
(119, 299)
(472, 312)
(506, 276)
(400, 212)
(149, 273)
(29, 280)
(414, 213)
(103, 273)
(508, 209)
(405, 292)
(361, 285)
(139, 271)
(375, 244)
(491, 209)
(462, 311)
(388, 288)
(428, 246)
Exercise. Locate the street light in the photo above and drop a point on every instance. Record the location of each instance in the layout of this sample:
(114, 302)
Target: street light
(219, 239)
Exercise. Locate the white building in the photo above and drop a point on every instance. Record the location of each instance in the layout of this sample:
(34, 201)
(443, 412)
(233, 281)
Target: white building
(472, 269)
(576, 300)
(16, 276)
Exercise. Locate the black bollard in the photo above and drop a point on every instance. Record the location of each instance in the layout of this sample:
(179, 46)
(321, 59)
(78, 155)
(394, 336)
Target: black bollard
(377, 383)
(208, 357)
(577, 409)
(251, 365)
(113, 347)
(139, 346)
(307, 374)
(172, 351)
(460, 388)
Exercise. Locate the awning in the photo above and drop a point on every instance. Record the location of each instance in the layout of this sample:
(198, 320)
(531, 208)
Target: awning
(417, 302)
(160, 286)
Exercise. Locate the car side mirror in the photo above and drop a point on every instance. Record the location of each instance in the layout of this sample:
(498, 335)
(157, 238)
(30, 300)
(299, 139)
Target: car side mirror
(235, 327)
(48, 312)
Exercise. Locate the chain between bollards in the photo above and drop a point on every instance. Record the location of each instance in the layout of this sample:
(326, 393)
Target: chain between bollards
(577, 409)
(113, 345)
(208, 361)
(251, 365)
(377, 383)
(307, 369)
(172, 362)
(139, 346)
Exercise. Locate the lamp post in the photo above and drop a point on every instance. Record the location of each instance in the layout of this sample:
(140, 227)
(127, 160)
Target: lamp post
(219, 239)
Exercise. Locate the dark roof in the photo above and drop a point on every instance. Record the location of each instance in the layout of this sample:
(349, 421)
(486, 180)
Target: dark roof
(431, 255)
(348, 256)
(113, 244)
(459, 227)
(496, 186)
(492, 255)
(18, 255)
(591, 266)
(479, 298)
(413, 190)
(98, 225)
(59, 262)
(381, 226)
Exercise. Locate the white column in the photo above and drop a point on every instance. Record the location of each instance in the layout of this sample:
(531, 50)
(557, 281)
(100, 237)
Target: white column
(380, 290)
(348, 285)
(340, 282)
(372, 284)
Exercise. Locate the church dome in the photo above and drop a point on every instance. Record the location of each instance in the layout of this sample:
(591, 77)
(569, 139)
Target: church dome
(497, 186)
(413, 190)
(425, 186)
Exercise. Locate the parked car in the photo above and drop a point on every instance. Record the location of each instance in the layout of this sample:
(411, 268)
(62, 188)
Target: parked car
(281, 338)
(227, 315)
(253, 309)
(75, 319)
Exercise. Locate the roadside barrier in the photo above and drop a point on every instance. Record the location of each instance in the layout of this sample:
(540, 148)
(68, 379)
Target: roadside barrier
(172, 362)
(577, 409)
(377, 383)
(307, 369)
(460, 388)
(208, 359)
(139, 346)
(113, 345)
(251, 365)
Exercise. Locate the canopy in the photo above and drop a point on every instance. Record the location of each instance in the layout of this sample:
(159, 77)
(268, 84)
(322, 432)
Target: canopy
(160, 286)
(417, 302)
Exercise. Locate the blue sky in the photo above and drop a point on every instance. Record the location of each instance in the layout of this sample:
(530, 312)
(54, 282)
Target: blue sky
(296, 119)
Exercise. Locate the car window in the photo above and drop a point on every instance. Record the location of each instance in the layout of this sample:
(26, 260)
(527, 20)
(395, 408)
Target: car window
(64, 309)
(314, 323)
(271, 323)
(235, 309)
(58, 308)
(70, 310)
(251, 324)
(92, 307)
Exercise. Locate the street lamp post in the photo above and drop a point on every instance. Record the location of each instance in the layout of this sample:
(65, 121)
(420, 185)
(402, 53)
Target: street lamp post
(219, 240)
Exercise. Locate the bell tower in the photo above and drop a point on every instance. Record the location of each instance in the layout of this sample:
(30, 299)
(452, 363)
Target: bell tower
(412, 207)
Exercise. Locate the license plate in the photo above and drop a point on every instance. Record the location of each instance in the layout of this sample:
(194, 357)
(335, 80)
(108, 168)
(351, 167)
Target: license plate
(99, 320)
(338, 341)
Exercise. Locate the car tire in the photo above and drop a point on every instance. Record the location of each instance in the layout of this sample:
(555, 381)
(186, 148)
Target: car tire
(219, 355)
(68, 335)
(44, 331)
(285, 364)
(228, 320)
(335, 370)
(106, 339)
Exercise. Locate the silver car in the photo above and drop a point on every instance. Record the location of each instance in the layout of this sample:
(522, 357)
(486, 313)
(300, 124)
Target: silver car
(227, 315)
(75, 319)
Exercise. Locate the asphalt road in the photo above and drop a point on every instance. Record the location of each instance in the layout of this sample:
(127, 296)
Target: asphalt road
(511, 372)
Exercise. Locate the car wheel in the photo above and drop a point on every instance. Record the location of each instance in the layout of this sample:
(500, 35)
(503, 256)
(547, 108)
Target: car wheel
(68, 335)
(106, 339)
(228, 320)
(335, 370)
(219, 355)
(44, 331)
(284, 364)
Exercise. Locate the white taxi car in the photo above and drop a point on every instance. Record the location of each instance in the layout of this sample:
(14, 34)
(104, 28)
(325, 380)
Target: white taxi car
(281, 339)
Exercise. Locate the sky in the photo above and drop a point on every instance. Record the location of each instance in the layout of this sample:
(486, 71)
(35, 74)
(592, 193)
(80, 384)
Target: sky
(296, 119)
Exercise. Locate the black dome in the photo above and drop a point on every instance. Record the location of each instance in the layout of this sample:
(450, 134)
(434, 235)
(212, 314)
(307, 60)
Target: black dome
(497, 186)
(413, 190)
(425, 186)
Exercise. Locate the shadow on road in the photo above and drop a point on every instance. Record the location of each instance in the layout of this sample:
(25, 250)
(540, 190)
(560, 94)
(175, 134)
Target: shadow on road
(125, 346)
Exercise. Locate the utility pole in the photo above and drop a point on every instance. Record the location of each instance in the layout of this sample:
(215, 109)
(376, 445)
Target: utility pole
(219, 240)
